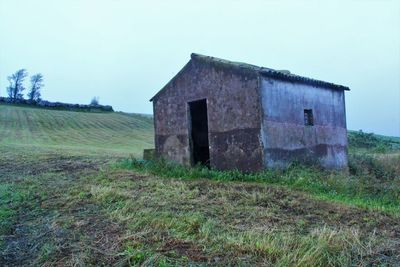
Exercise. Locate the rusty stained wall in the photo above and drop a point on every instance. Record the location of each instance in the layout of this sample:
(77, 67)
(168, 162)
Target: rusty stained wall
(286, 138)
(234, 116)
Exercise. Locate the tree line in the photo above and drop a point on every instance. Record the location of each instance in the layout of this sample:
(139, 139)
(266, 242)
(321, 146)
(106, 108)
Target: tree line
(16, 88)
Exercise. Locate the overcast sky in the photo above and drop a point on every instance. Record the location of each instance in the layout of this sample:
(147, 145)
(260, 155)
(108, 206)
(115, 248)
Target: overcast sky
(124, 51)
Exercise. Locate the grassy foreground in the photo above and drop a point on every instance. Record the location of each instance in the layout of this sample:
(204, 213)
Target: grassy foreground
(373, 182)
(65, 204)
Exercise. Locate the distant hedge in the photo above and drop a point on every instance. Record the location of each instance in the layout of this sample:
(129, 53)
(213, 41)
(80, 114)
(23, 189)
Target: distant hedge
(57, 105)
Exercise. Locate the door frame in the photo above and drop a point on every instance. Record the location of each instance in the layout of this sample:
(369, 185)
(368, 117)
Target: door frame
(189, 127)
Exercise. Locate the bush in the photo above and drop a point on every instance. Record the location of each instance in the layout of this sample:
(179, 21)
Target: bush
(364, 164)
(368, 141)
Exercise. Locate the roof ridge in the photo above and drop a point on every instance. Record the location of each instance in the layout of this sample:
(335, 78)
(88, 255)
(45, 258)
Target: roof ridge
(273, 73)
(284, 75)
(221, 60)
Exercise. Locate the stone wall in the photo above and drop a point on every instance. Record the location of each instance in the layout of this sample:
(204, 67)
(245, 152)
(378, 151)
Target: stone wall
(255, 121)
(234, 116)
(286, 138)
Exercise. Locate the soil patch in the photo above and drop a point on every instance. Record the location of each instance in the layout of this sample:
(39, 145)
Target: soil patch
(184, 249)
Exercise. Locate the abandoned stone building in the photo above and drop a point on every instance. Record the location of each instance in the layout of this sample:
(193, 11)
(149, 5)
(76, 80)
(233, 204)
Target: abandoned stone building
(230, 115)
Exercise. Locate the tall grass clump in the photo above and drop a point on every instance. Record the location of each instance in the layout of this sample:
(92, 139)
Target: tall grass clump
(370, 182)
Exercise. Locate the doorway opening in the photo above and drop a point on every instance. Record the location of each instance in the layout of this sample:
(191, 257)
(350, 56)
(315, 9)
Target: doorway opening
(198, 129)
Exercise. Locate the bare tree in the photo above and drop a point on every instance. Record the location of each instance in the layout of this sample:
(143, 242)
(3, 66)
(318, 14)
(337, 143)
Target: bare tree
(16, 86)
(36, 85)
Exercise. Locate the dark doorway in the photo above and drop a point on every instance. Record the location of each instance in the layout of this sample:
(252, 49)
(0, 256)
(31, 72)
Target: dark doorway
(199, 132)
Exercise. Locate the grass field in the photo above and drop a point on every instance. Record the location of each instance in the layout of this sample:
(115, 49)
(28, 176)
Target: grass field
(117, 133)
(70, 195)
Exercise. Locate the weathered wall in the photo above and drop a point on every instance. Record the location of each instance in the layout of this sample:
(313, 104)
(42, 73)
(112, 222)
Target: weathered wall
(234, 116)
(286, 138)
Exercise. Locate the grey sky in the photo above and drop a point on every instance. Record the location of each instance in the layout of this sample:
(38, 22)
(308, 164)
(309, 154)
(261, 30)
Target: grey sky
(124, 51)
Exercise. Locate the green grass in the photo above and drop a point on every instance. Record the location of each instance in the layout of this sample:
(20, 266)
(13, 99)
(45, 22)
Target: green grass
(375, 187)
(183, 221)
(7, 211)
(75, 131)
(70, 196)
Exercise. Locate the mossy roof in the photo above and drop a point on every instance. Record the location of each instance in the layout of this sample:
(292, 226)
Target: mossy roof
(277, 74)
(284, 75)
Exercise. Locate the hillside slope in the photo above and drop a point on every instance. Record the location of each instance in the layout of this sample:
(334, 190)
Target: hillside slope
(96, 132)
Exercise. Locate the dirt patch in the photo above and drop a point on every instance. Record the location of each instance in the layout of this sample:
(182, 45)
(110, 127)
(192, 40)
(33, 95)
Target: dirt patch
(45, 239)
(128, 175)
(184, 249)
(29, 235)
(66, 166)
(97, 242)
(52, 229)
(10, 168)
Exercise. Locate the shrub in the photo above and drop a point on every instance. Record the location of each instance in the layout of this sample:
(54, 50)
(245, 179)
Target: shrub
(364, 164)
(369, 141)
